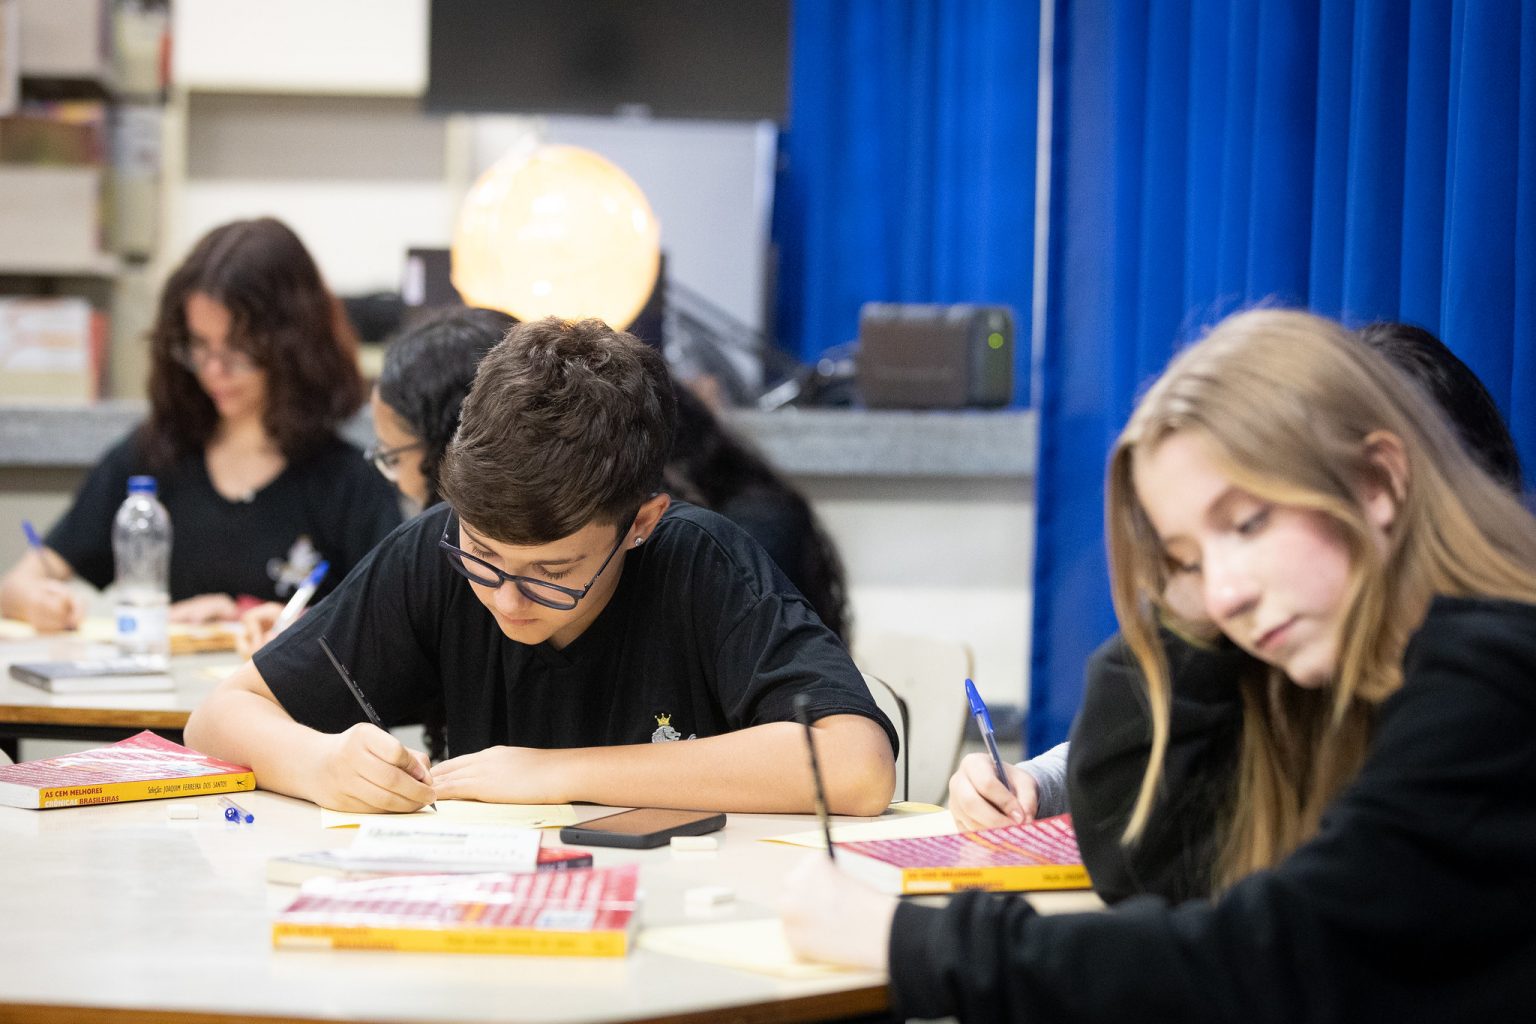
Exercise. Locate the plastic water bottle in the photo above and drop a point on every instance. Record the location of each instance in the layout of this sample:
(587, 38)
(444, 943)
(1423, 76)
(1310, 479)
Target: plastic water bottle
(141, 545)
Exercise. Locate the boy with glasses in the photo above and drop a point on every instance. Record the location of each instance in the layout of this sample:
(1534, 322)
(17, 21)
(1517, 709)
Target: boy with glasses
(573, 621)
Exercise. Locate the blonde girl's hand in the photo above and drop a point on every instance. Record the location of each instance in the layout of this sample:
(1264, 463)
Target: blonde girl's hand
(978, 800)
(835, 919)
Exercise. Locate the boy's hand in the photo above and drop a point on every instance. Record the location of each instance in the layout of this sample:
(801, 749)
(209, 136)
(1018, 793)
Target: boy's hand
(978, 800)
(504, 775)
(52, 606)
(367, 769)
(833, 918)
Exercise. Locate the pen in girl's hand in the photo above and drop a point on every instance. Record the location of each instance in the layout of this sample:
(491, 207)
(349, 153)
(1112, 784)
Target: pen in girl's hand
(300, 597)
(984, 726)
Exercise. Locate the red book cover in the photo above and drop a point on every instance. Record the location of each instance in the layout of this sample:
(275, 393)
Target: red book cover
(1040, 855)
(587, 912)
(142, 767)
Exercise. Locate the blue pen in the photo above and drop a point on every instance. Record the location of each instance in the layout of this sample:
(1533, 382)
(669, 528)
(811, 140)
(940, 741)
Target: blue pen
(984, 724)
(234, 812)
(301, 597)
(33, 539)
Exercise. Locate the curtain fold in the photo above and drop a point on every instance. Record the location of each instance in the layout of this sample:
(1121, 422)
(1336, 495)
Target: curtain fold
(1373, 159)
(908, 164)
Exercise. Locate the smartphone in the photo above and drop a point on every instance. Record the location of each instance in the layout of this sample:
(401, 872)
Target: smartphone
(641, 829)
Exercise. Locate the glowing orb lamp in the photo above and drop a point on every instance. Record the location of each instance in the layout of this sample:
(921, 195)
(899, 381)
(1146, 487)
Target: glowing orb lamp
(557, 231)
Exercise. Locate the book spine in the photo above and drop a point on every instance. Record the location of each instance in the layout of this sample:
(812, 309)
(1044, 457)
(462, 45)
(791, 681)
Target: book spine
(1016, 878)
(523, 941)
(155, 789)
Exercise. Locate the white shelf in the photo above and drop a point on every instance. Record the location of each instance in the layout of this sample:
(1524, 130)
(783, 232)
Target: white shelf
(335, 48)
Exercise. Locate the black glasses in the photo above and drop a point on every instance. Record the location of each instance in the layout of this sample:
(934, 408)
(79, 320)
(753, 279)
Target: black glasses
(196, 358)
(387, 460)
(550, 595)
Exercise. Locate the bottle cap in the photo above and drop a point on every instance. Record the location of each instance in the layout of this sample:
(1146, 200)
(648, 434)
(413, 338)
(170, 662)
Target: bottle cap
(142, 485)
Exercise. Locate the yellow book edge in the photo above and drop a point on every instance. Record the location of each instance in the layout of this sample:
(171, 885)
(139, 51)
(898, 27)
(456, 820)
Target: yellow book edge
(157, 789)
(524, 941)
(1018, 878)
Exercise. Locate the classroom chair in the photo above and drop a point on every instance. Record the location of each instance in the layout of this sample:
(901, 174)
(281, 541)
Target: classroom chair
(919, 682)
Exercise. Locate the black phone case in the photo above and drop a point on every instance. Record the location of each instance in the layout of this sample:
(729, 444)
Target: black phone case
(581, 835)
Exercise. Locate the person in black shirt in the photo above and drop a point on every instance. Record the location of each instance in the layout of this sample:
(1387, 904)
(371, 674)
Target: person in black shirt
(574, 622)
(1377, 864)
(253, 367)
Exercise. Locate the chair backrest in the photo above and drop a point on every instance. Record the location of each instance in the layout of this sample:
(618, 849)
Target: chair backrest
(919, 682)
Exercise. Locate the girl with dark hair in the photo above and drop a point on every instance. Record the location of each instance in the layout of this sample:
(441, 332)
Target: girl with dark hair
(253, 368)
(712, 468)
(427, 373)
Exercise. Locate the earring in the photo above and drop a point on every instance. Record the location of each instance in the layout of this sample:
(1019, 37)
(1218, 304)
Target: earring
(639, 541)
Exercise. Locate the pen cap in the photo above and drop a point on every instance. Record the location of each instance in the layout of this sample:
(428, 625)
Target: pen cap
(977, 707)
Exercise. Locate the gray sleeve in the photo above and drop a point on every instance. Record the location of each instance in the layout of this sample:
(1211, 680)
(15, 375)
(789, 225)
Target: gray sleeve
(1050, 773)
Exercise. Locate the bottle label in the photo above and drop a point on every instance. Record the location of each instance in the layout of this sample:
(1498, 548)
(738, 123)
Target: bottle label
(142, 627)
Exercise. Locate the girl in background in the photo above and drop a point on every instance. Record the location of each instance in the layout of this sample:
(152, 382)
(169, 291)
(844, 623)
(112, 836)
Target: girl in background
(253, 369)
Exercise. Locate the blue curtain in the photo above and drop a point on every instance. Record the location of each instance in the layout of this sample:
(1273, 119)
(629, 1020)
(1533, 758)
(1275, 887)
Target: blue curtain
(1367, 159)
(908, 163)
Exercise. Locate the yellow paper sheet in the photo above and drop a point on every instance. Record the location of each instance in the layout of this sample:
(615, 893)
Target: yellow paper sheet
(757, 945)
(900, 826)
(522, 815)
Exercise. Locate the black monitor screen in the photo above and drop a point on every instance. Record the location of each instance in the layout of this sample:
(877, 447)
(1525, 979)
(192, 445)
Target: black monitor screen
(668, 58)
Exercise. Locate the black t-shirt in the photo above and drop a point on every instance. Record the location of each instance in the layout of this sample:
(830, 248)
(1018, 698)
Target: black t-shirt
(331, 504)
(703, 635)
(1111, 742)
(1412, 903)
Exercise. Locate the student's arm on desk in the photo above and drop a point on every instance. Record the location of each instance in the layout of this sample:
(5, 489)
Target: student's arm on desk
(37, 590)
(362, 769)
(759, 769)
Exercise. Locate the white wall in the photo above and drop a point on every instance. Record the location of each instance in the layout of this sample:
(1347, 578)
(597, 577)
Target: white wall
(942, 558)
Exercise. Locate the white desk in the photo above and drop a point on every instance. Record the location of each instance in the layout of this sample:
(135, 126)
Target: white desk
(119, 908)
(27, 712)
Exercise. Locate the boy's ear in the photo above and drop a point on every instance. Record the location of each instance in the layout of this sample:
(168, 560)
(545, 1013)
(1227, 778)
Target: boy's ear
(1387, 483)
(649, 515)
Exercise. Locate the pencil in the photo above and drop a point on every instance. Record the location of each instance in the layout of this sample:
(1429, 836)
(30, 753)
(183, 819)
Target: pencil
(357, 693)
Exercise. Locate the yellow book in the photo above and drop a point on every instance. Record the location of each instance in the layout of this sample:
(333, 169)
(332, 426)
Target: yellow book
(586, 912)
(142, 767)
(1039, 856)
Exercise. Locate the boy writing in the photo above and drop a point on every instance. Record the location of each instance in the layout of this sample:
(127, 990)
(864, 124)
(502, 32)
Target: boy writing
(572, 622)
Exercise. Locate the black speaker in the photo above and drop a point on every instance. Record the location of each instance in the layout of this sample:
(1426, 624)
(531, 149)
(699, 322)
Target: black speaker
(935, 357)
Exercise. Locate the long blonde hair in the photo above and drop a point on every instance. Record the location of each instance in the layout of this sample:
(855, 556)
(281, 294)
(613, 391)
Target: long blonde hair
(1287, 402)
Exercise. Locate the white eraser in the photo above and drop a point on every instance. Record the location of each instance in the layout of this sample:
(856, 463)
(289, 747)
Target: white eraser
(708, 895)
(695, 843)
(183, 810)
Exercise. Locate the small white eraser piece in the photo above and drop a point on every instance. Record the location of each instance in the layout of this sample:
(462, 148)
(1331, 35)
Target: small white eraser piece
(695, 843)
(708, 895)
(183, 810)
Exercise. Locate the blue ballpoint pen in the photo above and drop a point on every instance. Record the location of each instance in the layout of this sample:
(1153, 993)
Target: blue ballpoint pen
(33, 540)
(984, 724)
(300, 597)
(234, 812)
